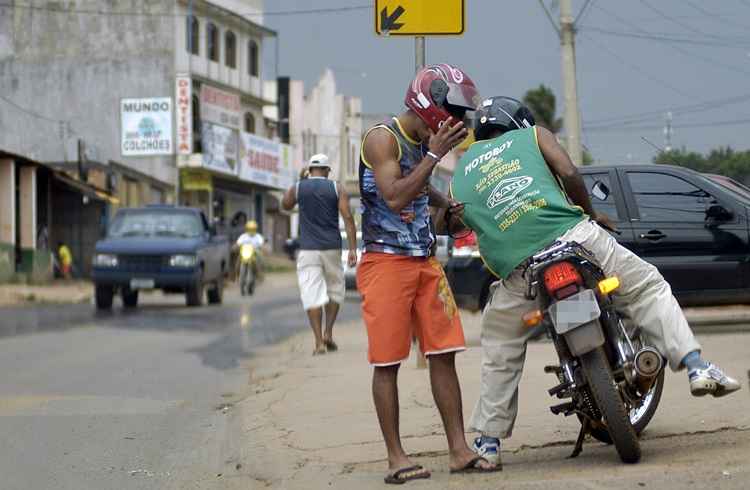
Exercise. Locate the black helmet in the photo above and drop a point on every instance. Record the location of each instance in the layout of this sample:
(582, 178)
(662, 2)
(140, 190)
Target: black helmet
(501, 113)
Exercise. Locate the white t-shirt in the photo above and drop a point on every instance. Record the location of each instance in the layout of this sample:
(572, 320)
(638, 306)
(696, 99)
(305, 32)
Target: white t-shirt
(256, 240)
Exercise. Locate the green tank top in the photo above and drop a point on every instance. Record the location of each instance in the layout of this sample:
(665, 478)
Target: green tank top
(512, 200)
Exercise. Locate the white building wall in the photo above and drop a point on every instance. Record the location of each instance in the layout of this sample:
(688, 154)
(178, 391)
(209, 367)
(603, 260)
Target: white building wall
(239, 77)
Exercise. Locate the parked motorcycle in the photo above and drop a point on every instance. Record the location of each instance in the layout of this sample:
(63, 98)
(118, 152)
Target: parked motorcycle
(248, 269)
(613, 379)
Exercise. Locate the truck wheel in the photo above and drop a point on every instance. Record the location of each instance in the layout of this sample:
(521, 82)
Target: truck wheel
(129, 297)
(216, 293)
(194, 294)
(104, 296)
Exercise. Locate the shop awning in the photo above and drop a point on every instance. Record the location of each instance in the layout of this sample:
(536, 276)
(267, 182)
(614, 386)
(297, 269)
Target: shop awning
(86, 189)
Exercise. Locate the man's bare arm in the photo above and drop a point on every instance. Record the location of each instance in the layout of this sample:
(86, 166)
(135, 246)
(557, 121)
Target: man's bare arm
(381, 152)
(560, 164)
(346, 215)
(290, 198)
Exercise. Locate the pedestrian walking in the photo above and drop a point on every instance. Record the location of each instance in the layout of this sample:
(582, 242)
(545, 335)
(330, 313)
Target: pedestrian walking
(319, 269)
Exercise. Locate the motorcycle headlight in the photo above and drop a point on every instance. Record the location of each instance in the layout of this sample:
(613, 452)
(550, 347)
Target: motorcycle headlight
(246, 252)
(105, 260)
(182, 260)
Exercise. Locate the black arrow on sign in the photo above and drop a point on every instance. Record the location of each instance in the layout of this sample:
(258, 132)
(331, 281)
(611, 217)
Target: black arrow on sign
(388, 22)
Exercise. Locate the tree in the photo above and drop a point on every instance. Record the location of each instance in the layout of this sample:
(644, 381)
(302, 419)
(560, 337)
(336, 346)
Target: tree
(543, 104)
(722, 161)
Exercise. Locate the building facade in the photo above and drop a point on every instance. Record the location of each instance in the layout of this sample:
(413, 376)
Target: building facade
(325, 121)
(165, 100)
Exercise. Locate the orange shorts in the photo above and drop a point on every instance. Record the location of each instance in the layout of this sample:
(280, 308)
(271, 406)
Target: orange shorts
(405, 297)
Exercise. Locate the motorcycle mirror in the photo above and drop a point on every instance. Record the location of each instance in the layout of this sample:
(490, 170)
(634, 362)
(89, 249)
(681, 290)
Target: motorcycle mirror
(600, 190)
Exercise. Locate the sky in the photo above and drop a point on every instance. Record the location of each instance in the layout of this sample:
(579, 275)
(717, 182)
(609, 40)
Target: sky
(636, 60)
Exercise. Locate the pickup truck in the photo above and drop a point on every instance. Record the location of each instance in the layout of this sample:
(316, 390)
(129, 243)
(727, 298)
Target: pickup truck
(160, 247)
(692, 227)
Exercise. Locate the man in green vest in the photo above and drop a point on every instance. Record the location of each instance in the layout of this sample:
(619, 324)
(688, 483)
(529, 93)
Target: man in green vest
(521, 192)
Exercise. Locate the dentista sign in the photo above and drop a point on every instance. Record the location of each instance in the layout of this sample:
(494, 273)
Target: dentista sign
(146, 126)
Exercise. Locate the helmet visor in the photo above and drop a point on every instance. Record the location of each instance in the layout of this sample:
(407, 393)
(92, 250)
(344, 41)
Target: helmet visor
(463, 95)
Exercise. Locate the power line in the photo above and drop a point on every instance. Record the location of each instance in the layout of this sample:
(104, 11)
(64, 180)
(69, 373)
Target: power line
(168, 14)
(731, 122)
(729, 43)
(714, 16)
(30, 112)
(640, 70)
(676, 48)
(655, 114)
(673, 20)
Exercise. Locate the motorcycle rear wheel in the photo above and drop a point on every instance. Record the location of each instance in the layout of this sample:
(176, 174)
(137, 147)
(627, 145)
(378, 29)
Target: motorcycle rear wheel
(644, 418)
(607, 397)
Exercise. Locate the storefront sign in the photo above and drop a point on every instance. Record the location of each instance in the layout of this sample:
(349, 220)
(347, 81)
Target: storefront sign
(183, 102)
(220, 107)
(146, 126)
(265, 162)
(220, 148)
(195, 180)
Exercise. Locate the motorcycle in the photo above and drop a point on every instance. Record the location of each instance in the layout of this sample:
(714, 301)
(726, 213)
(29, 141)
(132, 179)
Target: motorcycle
(248, 269)
(613, 379)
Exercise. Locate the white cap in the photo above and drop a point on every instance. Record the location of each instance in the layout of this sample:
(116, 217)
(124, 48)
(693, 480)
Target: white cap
(320, 161)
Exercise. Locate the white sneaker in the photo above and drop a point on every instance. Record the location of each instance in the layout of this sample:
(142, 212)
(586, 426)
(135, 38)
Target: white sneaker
(712, 380)
(488, 448)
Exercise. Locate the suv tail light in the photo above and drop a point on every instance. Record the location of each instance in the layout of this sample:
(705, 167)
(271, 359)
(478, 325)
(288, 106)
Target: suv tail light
(562, 280)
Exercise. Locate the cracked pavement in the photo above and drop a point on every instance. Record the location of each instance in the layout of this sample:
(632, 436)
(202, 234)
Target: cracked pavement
(314, 425)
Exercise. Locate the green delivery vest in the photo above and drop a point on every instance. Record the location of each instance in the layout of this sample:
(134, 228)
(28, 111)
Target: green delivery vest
(512, 200)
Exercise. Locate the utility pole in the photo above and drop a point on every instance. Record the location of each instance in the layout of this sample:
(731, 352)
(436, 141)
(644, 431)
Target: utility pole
(668, 133)
(419, 52)
(571, 117)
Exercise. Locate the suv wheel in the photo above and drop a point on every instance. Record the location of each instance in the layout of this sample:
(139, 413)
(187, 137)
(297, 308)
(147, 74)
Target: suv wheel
(129, 297)
(104, 296)
(194, 294)
(216, 293)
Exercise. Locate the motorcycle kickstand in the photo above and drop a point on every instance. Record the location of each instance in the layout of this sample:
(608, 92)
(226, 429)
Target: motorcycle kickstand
(581, 436)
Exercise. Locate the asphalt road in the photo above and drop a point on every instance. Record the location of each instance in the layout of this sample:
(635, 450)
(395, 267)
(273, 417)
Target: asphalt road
(131, 399)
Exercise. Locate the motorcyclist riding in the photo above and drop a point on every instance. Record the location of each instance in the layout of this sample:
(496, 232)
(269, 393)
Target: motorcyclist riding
(521, 192)
(253, 258)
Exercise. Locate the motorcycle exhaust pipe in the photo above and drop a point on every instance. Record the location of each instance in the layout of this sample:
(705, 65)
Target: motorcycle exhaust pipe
(648, 364)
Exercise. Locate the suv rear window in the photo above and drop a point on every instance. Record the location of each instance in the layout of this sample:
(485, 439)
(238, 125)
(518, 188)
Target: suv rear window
(663, 197)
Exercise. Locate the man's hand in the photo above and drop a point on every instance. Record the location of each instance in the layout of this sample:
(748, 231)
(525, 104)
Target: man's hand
(448, 136)
(304, 173)
(605, 222)
(351, 261)
(455, 208)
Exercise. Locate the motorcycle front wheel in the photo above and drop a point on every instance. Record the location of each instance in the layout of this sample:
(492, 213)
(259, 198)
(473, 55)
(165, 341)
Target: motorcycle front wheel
(607, 397)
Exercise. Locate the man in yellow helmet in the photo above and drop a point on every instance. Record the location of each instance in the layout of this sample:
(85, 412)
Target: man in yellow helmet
(252, 237)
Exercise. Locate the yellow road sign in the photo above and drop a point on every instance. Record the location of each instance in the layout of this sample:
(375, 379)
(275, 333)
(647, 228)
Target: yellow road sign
(419, 17)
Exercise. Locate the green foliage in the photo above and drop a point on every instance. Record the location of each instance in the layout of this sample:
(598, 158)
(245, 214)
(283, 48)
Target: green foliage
(542, 103)
(722, 161)
(587, 158)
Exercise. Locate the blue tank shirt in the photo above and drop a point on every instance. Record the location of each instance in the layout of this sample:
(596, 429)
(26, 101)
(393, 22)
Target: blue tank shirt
(406, 233)
(318, 214)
